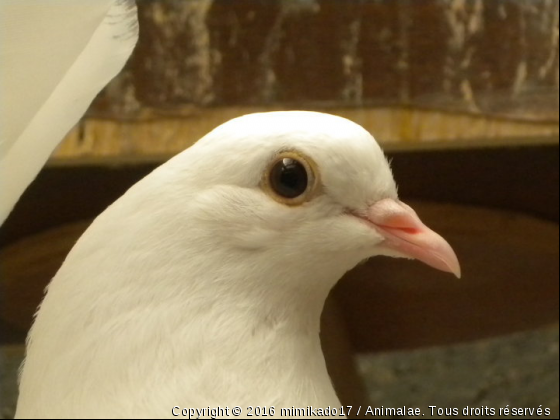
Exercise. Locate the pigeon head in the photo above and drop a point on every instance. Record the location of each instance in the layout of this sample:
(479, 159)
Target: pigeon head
(302, 188)
(264, 208)
(215, 268)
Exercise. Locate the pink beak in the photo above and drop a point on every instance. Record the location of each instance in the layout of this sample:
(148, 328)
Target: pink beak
(405, 233)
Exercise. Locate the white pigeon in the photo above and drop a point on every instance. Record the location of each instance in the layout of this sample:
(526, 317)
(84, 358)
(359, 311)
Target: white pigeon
(204, 284)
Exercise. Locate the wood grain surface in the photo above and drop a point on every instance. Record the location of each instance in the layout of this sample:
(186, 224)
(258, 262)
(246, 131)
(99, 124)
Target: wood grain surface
(154, 139)
(496, 57)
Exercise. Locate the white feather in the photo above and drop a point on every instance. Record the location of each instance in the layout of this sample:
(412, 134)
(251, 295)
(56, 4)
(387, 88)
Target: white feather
(55, 57)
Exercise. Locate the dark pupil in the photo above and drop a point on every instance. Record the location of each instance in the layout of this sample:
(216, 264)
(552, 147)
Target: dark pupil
(288, 178)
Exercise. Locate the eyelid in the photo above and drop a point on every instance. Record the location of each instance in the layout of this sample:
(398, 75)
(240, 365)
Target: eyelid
(314, 182)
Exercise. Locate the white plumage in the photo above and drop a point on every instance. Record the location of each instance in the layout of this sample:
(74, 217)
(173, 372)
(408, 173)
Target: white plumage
(196, 288)
(203, 285)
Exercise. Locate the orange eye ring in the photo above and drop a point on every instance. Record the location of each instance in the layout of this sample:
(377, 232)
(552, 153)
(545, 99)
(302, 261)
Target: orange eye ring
(291, 178)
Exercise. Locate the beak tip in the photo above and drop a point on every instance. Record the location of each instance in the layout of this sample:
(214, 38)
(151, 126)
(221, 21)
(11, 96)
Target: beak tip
(448, 262)
(455, 269)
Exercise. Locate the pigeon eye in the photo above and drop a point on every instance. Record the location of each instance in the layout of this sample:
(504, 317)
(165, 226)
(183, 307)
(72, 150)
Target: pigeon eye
(290, 179)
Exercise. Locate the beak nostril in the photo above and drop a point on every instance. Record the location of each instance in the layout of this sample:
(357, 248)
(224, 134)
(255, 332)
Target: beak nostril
(409, 230)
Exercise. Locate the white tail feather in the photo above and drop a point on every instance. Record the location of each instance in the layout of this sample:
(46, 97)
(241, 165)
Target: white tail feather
(55, 57)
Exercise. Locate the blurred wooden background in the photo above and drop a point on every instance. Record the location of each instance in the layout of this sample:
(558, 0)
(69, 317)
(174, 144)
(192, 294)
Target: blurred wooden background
(463, 94)
(474, 71)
